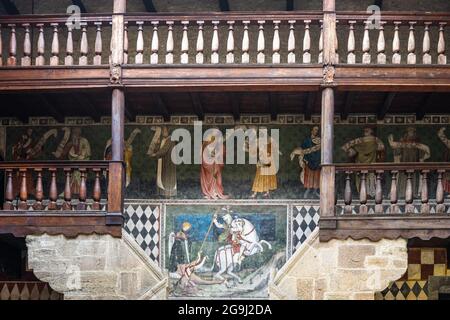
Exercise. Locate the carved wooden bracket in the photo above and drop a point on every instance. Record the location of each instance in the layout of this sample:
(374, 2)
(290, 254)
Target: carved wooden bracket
(116, 74)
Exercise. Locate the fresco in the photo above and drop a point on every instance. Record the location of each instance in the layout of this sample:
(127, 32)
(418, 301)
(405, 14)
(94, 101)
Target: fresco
(214, 251)
(150, 172)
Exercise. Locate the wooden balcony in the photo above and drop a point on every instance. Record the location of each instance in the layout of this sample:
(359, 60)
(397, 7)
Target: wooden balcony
(389, 201)
(227, 51)
(61, 197)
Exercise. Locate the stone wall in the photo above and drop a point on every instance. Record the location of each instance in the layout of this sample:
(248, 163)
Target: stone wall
(96, 267)
(340, 269)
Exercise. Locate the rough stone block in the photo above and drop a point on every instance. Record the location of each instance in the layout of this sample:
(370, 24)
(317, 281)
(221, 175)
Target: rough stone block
(363, 296)
(353, 256)
(374, 262)
(305, 289)
(128, 283)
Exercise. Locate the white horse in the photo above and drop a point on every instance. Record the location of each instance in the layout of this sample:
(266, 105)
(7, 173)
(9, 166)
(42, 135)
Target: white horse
(227, 259)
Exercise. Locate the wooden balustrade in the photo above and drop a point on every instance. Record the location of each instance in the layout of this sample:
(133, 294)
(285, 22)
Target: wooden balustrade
(227, 38)
(67, 185)
(381, 183)
(40, 35)
(405, 30)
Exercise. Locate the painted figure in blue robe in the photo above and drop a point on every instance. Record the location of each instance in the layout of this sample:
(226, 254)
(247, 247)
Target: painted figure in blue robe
(309, 161)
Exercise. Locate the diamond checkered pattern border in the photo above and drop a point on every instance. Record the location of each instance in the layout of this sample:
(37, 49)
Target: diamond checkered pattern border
(305, 219)
(143, 223)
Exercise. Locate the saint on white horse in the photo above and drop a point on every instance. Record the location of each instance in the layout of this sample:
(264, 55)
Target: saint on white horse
(243, 241)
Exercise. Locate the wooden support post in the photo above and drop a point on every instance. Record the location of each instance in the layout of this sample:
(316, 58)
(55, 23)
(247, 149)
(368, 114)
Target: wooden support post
(327, 178)
(116, 176)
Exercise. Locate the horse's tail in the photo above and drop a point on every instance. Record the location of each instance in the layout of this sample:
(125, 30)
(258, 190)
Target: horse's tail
(266, 243)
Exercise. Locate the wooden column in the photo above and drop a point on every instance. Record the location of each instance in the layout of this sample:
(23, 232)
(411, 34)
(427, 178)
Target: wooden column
(327, 180)
(116, 181)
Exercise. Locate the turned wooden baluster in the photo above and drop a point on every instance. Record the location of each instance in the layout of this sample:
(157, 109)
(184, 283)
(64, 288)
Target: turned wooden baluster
(440, 206)
(320, 58)
(97, 192)
(409, 192)
(39, 194)
(363, 209)
(68, 60)
(306, 43)
(98, 46)
(139, 59)
(23, 192)
(426, 48)
(366, 58)
(67, 204)
(40, 59)
(394, 193)
(230, 42)
(411, 44)
(291, 42)
(215, 43)
(200, 58)
(1, 47)
(155, 44)
(12, 59)
(245, 43)
(184, 59)
(425, 208)
(336, 45)
(442, 58)
(348, 193)
(169, 44)
(26, 59)
(379, 192)
(53, 193)
(54, 59)
(84, 46)
(83, 190)
(396, 57)
(351, 45)
(9, 191)
(125, 43)
(276, 43)
(381, 45)
(261, 45)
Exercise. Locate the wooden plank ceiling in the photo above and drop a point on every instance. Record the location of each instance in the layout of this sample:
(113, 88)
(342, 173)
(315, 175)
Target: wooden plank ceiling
(97, 103)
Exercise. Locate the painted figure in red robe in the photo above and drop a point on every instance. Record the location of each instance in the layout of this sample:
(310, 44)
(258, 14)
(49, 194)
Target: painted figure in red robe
(211, 168)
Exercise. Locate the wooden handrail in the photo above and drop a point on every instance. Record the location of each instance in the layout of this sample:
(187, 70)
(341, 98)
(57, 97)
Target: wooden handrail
(389, 166)
(55, 164)
(53, 18)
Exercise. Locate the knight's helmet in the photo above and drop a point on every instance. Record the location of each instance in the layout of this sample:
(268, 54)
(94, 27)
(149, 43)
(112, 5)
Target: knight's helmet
(227, 218)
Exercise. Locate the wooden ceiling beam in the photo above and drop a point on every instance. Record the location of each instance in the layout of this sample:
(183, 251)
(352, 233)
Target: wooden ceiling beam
(349, 99)
(80, 4)
(274, 105)
(386, 105)
(161, 106)
(309, 104)
(49, 106)
(85, 102)
(289, 5)
(130, 114)
(224, 5)
(235, 100)
(10, 7)
(197, 105)
(425, 106)
(149, 6)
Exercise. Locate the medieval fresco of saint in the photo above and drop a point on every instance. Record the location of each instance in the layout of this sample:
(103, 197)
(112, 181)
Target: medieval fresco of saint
(150, 173)
(223, 251)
